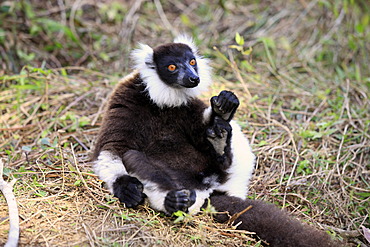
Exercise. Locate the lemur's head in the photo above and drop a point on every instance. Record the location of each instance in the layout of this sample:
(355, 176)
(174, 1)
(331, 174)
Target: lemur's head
(173, 73)
(176, 65)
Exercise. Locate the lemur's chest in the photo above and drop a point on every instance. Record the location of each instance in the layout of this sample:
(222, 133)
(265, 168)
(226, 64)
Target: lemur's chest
(172, 127)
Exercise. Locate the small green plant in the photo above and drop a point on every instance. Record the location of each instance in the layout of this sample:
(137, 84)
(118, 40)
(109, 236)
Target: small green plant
(240, 47)
(181, 217)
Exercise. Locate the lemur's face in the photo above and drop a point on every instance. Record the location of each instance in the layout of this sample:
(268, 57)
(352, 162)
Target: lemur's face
(176, 65)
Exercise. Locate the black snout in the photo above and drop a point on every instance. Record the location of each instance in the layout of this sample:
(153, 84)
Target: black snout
(191, 77)
(190, 81)
(194, 79)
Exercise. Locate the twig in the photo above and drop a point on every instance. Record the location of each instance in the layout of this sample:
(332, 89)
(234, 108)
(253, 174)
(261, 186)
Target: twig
(163, 17)
(129, 23)
(237, 215)
(230, 235)
(141, 228)
(343, 233)
(7, 190)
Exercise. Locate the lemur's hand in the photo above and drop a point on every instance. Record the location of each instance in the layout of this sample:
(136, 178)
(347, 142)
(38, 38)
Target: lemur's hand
(225, 104)
(129, 191)
(179, 200)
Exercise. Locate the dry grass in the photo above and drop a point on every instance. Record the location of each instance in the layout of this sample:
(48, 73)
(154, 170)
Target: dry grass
(305, 107)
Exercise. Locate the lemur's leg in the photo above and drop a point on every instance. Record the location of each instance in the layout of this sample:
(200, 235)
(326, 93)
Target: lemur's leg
(134, 178)
(219, 134)
(163, 193)
(223, 109)
(110, 169)
(234, 150)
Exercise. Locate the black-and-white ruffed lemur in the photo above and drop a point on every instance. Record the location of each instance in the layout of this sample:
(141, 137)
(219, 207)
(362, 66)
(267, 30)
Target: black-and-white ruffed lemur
(158, 141)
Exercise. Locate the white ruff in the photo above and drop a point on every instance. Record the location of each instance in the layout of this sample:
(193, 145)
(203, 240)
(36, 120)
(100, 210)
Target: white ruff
(159, 92)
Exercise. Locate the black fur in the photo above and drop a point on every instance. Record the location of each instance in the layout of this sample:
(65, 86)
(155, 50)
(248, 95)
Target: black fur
(177, 151)
(168, 146)
(129, 190)
(270, 223)
(179, 200)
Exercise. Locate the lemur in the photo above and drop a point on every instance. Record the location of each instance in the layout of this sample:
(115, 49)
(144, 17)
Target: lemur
(159, 142)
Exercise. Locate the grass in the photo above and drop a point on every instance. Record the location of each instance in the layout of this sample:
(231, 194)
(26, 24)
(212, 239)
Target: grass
(299, 68)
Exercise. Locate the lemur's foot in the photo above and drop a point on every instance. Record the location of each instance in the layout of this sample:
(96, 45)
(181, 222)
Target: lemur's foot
(219, 129)
(179, 200)
(129, 191)
(225, 104)
(218, 134)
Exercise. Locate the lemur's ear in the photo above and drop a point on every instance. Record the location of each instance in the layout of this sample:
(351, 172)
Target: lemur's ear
(187, 40)
(143, 57)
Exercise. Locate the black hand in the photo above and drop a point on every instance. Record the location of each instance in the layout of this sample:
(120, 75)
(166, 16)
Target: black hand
(129, 191)
(179, 200)
(225, 104)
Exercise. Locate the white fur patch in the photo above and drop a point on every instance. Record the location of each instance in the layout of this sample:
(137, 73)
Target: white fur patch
(202, 195)
(109, 167)
(160, 93)
(155, 196)
(207, 115)
(185, 39)
(242, 165)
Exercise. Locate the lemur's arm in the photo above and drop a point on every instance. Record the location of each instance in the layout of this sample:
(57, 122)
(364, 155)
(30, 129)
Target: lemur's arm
(219, 131)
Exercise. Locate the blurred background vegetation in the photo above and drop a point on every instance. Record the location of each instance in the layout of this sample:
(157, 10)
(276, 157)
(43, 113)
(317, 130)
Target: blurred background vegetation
(300, 68)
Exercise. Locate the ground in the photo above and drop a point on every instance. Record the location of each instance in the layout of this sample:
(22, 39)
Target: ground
(300, 69)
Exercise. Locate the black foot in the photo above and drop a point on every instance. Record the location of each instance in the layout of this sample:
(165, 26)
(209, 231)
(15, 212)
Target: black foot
(129, 191)
(179, 200)
(220, 128)
(218, 134)
(225, 104)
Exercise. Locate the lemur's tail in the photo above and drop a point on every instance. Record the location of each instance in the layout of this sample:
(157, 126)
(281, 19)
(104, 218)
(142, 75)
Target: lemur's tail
(270, 223)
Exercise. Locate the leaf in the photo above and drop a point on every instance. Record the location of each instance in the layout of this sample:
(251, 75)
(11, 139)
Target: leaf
(4, 8)
(262, 143)
(26, 87)
(248, 52)
(360, 28)
(185, 20)
(180, 216)
(237, 47)
(311, 134)
(54, 26)
(26, 148)
(268, 42)
(45, 141)
(78, 182)
(366, 233)
(239, 39)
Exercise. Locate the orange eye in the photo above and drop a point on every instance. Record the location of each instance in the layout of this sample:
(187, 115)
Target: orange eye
(192, 62)
(171, 67)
